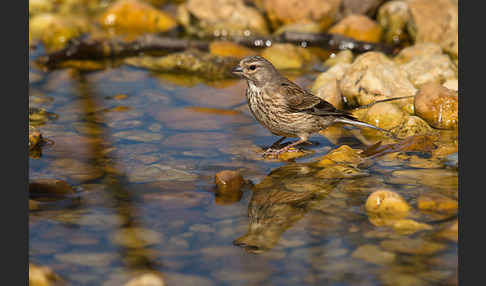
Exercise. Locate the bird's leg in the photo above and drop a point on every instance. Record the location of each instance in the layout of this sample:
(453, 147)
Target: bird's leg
(274, 147)
(284, 149)
(277, 143)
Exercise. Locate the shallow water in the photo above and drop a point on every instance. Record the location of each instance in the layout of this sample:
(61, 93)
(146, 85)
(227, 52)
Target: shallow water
(141, 150)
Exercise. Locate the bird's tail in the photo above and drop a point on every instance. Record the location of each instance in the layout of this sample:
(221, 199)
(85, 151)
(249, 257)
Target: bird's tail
(362, 124)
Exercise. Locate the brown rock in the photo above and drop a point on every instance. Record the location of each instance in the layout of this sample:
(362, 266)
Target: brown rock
(387, 203)
(342, 155)
(429, 68)
(326, 85)
(436, 202)
(342, 57)
(135, 17)
(229, 185)
(358, 27)
(281, 12)
(229, 49)
(286, 56)
(362, 7)
(56, 30)
(371, 77)
(412, 125)
(221, 18)
(384, 115)
(437, 105)
(419, 50)
(435, 21)
(394, 16)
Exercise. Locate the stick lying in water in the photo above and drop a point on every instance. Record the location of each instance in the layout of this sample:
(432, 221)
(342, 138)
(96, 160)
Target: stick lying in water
(85, 48)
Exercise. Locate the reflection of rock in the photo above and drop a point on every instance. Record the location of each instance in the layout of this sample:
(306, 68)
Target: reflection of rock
(277, 203)
(50, 188)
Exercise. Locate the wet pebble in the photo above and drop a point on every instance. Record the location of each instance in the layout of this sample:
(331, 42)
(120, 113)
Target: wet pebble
(229, 184)
(437, 105)
(387, 203)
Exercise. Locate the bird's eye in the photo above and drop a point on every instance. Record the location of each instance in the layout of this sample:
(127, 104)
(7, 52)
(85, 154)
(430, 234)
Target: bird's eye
(253, 67)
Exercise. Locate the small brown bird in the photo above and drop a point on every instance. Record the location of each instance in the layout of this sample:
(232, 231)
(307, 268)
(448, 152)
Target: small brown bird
(285, 108)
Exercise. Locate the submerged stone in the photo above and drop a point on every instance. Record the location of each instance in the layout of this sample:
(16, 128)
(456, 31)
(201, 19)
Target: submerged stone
(373, 254)
(195, 62)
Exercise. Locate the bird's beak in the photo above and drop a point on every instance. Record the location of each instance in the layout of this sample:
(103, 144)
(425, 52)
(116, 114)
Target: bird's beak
(237, 70)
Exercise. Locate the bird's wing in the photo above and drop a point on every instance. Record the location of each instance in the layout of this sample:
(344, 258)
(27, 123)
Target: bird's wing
(299, 99)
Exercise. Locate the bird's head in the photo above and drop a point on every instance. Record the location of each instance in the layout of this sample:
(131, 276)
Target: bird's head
(256, 69)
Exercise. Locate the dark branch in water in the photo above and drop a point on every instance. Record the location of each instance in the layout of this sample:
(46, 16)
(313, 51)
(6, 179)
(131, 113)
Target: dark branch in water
(85, 48)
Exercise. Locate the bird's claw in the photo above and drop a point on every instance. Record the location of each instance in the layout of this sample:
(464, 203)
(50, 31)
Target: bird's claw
(277, 152)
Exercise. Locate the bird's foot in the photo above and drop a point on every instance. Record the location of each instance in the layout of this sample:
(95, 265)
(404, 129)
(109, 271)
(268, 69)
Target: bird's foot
(276, 152)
